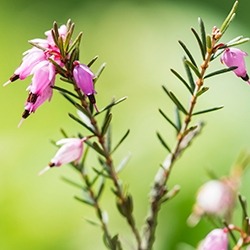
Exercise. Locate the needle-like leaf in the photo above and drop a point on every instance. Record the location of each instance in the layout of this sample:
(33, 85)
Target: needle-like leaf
(182, 80)
(203, 34)
(221, 71)
(202, 49)
(163, 142)
(188, 53)
(208, 110)
(121, 141)
(189, 75)
(169, 120)
(175, 100)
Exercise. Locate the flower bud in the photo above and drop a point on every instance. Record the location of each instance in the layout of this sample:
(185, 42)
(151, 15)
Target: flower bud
(216, 240)
(215, 197)
(84, 80)
(233, 57)
(70, 151)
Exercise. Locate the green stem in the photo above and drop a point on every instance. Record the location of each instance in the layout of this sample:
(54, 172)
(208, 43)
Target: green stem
(98, 209)
(122, 198)
(159, 188)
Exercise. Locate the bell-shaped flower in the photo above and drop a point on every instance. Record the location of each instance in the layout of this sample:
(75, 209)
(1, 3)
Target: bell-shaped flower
(83, 77)
(217, 239)
(233, 57)
(216, 198)
(43, 76)
(71, 150)
(31, 58)
(32, 105)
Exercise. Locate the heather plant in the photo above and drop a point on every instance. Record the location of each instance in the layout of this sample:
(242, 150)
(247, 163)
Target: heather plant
(58, 56)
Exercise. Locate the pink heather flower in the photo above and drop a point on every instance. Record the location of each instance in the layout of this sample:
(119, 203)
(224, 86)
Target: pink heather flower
(215, 197)
(31, 58)
(215, 240)
(43, 76)
(33, 101)
(84, 79)
(235, 57)
(71, 150)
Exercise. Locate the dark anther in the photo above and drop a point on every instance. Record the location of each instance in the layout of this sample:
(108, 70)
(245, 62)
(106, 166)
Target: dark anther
(25, 114)
(51, 164)
(92, 99)
(32, 98)
(14, 78)
(245, 78)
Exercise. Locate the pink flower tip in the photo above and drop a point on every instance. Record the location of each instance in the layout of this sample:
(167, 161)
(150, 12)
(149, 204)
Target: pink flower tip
(216, 240)
(233, 57)
(84, 77)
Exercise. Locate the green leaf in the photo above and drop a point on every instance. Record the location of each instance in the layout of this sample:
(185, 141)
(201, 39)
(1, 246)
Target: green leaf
(92, 61)
(221, 71)
(99, 72)
(189, 75)
(182, 80)
(203, 34)
(175, 100)
(188, 53)
(209, 42)
(69, 99)
(64, 133)
(237, 41)
(61, 47)
(87, 200)
(70, 28)
(229, 18)
(59, 69)
(82, 109)
(73, 183)
(91, 222)
(62, 90)
(165, 116)
(112, 104)
(100, 188)
(74, 56)
(101, 173)
(106, 123)
(164, 144)
(178, 119)
(207, 110)
(76, 42)
(121, 141)
(203, 51)
(109, 139)
(112, 243)
(81, 123)
(55, 33)
(96, 147)
(202, 91)
(193, 67)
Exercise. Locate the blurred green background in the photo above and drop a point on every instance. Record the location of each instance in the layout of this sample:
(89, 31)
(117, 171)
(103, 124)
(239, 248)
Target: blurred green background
(138, 40)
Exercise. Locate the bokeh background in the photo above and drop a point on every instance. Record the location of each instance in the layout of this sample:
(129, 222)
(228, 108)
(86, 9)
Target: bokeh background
(138, 41)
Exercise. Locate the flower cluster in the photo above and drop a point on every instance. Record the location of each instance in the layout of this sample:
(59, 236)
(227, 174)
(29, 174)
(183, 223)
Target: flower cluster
(47, 58)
